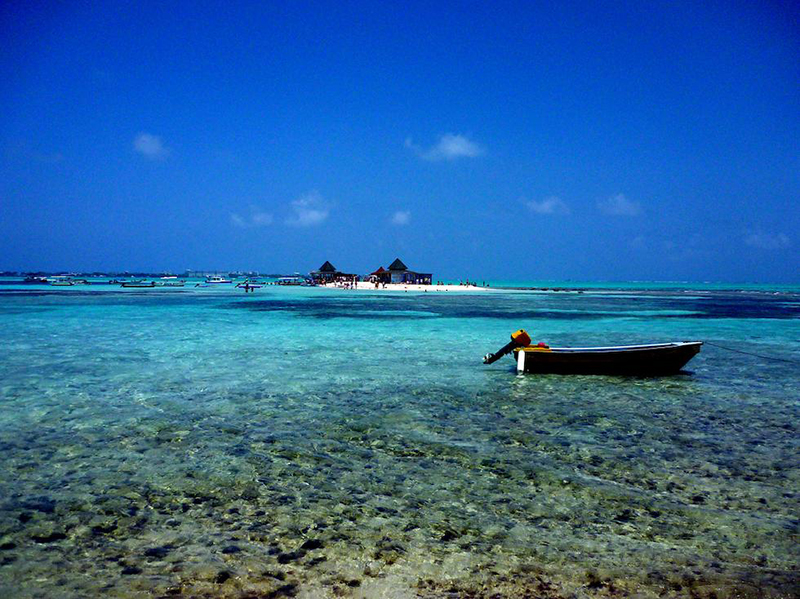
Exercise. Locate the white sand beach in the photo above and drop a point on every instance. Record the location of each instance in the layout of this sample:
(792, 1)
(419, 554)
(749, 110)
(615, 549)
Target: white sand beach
(366, 286)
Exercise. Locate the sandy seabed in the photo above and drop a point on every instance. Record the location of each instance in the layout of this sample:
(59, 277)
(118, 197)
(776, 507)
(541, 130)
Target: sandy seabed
(291, 443)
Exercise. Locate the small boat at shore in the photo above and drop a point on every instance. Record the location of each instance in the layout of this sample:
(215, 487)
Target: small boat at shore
(218, 280)
(138, 284)
(655, 359)
(292, 281)
(61, 281)
(34, 280)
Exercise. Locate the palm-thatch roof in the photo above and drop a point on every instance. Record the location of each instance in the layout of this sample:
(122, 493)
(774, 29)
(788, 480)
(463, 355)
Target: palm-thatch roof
(398, 265)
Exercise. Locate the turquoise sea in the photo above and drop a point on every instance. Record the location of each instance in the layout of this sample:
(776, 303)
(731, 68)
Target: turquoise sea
(204, 442)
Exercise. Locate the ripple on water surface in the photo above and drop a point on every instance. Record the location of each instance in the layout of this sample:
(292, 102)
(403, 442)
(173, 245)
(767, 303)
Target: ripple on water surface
(197, 449)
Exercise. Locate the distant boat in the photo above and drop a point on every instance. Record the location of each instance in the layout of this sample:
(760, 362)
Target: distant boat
(170, 281)
(217, 280)
(656, 359)
(291, 281)
(33, 280)
(60, 281)
(138, 284)
(250, 284)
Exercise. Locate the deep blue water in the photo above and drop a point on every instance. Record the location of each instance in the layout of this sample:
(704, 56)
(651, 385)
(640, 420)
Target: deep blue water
(312, 442)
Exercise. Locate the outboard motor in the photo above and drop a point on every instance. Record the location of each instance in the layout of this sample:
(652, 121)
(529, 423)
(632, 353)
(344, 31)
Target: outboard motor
(518, 339)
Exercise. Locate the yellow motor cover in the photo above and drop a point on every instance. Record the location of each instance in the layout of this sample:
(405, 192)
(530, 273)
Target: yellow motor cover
(521, 338)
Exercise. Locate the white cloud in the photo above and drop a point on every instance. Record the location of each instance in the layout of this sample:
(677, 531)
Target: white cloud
(150, 146)
(255, 218)
(449, 147)
(308, 210)
(619, 205)
(768, 241)
(401, 217)
(551, 205)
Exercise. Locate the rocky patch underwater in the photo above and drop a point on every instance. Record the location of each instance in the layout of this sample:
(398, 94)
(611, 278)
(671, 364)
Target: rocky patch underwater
(313, 444)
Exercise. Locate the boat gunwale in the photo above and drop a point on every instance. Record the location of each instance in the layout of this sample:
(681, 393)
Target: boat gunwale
(609, 349)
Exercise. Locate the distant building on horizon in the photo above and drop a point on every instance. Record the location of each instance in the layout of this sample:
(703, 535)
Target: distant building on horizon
(379, 276)
(397, 273)
(400, 273)
(328, 273)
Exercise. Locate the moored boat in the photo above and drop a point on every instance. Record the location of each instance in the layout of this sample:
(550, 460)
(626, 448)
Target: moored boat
(169, 282)
(655, 359)
(138, 284)
(217, 280)
(61, 281)
(248, 284)
(291, 281)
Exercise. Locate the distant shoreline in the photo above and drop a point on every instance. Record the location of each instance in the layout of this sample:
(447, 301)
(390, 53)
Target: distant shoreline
(366, 286)
(538, 286)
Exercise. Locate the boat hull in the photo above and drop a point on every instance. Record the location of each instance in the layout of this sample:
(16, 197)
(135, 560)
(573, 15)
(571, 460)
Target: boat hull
(636, 360)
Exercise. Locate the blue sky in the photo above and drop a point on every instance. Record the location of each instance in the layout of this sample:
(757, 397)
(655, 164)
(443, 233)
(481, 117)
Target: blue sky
(648, 141)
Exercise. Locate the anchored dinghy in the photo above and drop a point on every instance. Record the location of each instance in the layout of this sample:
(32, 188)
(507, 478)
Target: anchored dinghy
(655, 359)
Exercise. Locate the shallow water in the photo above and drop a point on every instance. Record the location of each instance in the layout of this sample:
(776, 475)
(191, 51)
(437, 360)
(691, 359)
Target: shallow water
(310, 442)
